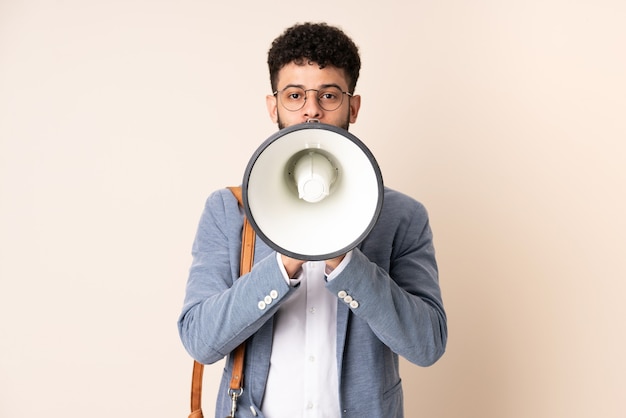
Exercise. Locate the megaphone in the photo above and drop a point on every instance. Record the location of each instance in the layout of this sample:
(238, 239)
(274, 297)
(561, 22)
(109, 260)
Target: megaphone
(312, 191)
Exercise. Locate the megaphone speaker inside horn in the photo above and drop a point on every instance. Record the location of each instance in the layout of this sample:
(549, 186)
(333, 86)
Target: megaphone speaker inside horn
(312, 191)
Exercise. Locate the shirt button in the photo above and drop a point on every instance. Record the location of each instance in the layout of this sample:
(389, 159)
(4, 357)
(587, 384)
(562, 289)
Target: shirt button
(268, 299)
(342, 294)
(261, 305)
(348, 299)
(354, 304)
(274, 294)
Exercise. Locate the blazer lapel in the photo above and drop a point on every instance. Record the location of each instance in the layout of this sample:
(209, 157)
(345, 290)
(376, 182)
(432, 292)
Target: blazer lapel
(343, 313)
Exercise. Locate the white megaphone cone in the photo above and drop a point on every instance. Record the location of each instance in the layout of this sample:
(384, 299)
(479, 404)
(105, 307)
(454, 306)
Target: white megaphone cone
(312, 191)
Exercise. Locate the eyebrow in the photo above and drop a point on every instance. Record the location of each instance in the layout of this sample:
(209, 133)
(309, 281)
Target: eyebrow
(323, 86)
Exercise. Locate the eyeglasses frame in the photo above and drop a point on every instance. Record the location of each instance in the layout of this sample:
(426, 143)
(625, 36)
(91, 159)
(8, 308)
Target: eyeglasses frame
(275, 94)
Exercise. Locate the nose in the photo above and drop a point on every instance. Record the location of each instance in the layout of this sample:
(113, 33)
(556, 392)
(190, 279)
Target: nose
(312, 109)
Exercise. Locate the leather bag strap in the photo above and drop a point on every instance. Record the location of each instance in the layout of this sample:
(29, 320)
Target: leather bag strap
(245, 265)
(247, 259)
(196, 388)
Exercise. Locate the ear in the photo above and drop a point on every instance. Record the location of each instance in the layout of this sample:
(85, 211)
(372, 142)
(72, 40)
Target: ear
(272, 107)
(355, 105)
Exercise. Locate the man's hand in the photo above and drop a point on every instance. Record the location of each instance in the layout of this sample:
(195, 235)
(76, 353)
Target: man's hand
(334, 262)
(292, 265)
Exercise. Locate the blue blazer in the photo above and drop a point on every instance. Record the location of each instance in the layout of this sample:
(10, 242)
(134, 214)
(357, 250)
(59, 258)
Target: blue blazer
(392, 276)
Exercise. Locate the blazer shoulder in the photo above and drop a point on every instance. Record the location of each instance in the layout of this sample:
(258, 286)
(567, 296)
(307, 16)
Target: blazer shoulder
(398, 203)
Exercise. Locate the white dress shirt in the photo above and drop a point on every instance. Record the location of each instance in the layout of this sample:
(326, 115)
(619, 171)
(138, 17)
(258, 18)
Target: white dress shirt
(302, 380)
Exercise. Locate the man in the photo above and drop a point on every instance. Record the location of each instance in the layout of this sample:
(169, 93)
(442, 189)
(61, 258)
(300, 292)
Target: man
(327, 343)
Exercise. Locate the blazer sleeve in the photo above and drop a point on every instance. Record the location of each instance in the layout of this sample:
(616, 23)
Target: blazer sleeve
(221, 311)
(392, 282)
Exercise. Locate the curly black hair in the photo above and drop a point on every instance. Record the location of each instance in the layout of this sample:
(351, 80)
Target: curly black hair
(315, 42)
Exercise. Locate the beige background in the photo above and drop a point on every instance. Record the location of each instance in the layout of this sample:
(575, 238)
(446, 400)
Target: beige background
(506, 118)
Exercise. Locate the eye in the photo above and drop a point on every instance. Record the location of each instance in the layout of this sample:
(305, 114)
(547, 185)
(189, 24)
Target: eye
(293, 94)
(328, 95)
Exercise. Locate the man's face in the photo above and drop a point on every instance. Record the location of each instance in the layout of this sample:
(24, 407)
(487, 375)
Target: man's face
(310, 76)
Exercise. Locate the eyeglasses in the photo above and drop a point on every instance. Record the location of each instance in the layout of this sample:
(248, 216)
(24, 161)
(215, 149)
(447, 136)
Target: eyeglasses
(293, 98)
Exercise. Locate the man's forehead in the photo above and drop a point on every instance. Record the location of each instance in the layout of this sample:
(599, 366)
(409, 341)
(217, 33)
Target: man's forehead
(306, 71)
